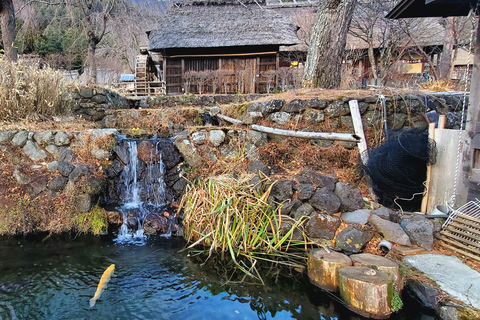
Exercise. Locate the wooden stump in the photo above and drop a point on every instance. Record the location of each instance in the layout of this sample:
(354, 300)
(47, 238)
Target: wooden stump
(378, 263)
(366, 291)
(323, 268)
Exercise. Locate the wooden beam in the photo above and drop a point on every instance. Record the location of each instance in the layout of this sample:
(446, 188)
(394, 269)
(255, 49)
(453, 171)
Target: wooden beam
(423, 209)
(223, 55)
(358, 127)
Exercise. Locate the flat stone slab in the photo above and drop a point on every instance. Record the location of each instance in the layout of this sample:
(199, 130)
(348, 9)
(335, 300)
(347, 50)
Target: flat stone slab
(453, 276)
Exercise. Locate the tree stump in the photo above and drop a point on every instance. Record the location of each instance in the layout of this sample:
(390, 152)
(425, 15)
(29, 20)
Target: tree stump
(366, 291)
(378, 263)
(323, 268)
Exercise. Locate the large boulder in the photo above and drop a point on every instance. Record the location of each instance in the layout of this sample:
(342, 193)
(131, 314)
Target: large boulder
(351, 199)
(155, 224)
(390, 231)
(358, 216)
(295, 106)
(147, 152)
(271, 106)
(352, 240)
(322, 226)
(420, 230)
(282, 190)
(325, 201)
(170, 155)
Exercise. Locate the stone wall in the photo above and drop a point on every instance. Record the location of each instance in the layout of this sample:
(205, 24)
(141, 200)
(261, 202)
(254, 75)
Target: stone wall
(92, 103)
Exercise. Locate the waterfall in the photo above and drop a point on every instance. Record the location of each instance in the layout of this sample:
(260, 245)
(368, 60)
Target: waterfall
(143, 192)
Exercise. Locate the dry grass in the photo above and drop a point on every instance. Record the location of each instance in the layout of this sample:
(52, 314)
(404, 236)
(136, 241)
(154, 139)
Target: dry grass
(28, 92)
(227, 215)
(440, 85)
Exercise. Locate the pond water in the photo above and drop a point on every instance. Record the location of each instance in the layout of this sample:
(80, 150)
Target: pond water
(55, 279)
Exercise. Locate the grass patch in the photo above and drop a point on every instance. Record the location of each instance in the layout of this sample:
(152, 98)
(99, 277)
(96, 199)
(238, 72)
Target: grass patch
(28, 92)
(227, 216)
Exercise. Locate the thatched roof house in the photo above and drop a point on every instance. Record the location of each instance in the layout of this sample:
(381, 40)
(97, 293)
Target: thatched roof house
(242, 39)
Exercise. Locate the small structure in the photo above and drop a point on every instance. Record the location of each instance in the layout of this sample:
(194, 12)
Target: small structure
(220, 47)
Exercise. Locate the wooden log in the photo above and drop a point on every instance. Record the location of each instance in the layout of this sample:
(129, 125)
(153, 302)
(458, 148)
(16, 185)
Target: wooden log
(378, 263)
(323, 268)
(366, 291)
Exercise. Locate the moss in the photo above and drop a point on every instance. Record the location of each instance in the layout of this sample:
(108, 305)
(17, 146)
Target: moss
(396, 304)
(94, 221)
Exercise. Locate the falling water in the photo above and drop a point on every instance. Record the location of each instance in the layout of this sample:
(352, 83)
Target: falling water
(144, 193)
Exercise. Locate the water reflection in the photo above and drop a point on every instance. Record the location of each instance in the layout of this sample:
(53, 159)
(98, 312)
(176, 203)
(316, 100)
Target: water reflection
(55, 280)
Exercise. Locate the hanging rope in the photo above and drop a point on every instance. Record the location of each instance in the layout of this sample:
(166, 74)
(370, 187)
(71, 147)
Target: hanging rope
(467, 78)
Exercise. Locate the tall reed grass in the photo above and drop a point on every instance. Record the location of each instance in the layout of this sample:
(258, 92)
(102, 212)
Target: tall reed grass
(227, 215)
(30, 92)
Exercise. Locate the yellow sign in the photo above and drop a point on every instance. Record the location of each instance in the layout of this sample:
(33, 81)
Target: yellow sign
(294, 63)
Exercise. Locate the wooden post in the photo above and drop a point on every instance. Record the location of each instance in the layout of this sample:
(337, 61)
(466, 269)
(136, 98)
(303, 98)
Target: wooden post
(323, 268)
(472, 127)
(358, 127)
(441, 121)
(383, 264)
(423, 209)
(366, 291)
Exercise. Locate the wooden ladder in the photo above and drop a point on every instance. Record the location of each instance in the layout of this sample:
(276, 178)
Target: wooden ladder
(141, 86)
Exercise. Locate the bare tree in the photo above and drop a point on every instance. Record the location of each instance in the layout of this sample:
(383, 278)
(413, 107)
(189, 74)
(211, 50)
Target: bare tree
(7, 21)
(270, 78)
(284, 74)
(327, 43)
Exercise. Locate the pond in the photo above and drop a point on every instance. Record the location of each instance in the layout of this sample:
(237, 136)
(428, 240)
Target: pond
(56, 278)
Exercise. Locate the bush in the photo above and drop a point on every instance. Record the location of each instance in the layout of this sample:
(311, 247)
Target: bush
(31, 92)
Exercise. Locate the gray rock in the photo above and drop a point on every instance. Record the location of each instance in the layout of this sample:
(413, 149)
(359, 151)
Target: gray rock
(21, 177)
(43, 138)
(259, 139)
(189, 152)
(304, 210)
(279, 117)
(79, 171)
(254, 107)
(390, 231)
(32, 150)
(448, 313)
(420, 230)
(199, 137)
(57, 184)
(53, 149)
(256, 183)
(396, 120)
(322, 226)
(271, 106)
(66, 155)
(427, 296)
(257, 166)
(83, 202)
(86, 93)
(282, 190)
(347, 121)
(61, 139)
(214, 111)
(115, 169)
(155, 224)
(386, 214)
(325, 201)
(316, 103)
(228, 151)
(351, 199)
(310, 176)
(337, 108)
(314, 116)
(99, 99)
(216, 137)
(352, 240)
(290, 205)
(20, 138)
(52, 166)
(305, 191)
(251, 151)
(6, 136)
(179, 185)
(358, 216)
(295, 106)
(94, 185)
(39, 185)
(321, 143)
(100, 154)
(65, 168)
(348, 144)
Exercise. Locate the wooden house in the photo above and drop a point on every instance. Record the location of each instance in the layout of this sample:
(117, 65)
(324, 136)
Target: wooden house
(219, 47)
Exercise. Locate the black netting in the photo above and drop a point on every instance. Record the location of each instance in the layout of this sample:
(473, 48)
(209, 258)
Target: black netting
(398, 168)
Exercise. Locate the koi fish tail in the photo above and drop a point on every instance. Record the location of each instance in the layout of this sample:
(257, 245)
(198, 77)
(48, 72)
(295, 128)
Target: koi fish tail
(92, 302)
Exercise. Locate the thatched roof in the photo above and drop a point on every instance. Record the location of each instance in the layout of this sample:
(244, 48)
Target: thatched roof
(224, 25)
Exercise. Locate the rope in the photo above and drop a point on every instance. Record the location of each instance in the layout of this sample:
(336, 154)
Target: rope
(452, 202)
